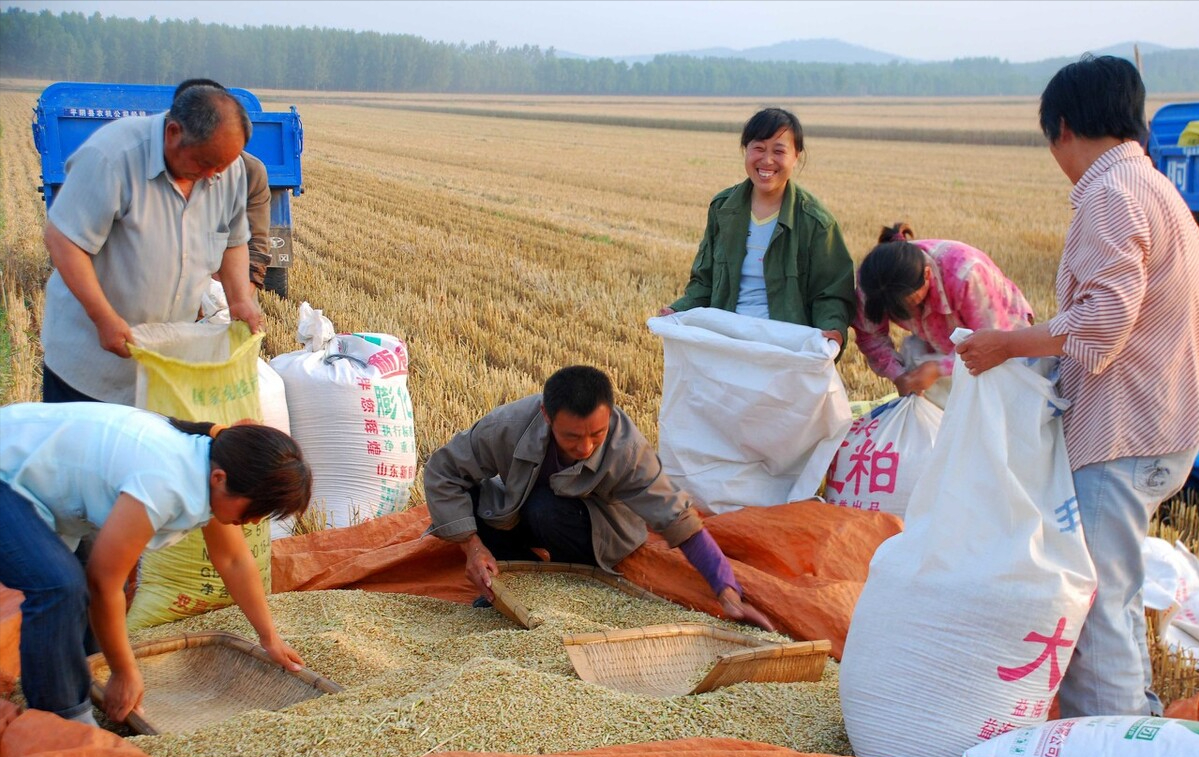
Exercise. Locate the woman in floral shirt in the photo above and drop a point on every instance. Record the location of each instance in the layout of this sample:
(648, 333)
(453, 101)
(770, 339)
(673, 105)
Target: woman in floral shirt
(928, 287)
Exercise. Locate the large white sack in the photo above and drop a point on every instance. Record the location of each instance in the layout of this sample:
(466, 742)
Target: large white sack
(969, 617)
(882, 456)
(1123, 736)
(272, 393)
(752, 409)
(350, 412)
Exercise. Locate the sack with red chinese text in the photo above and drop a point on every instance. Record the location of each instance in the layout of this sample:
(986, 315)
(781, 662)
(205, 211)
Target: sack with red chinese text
(350, 412)
(969, 617)
(883, 454)
(195, 372)
(1114, 736)
(752, 409)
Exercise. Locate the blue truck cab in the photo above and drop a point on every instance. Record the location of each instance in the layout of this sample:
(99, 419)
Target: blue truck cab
(1179, 163)
(67, 113)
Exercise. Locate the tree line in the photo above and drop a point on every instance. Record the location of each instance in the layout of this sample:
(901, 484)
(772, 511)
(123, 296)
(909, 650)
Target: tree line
(76, 47)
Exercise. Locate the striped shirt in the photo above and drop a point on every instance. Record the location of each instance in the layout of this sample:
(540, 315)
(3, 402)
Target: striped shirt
(1128, 303)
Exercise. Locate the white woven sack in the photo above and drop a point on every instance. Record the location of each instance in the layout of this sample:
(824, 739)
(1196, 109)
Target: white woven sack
(752, 409)
(350, 412)
(968, 618)
(272, 394)
(1123, 736)
(882, 456)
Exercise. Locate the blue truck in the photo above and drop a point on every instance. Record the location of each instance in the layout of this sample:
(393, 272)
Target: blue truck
(1179, 163)
(67, 113)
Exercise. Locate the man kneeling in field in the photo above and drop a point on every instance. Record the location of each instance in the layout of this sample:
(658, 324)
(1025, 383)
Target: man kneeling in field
(566, 472)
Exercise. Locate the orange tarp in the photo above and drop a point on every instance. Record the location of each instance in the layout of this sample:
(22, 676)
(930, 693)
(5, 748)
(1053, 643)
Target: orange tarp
(679, 748)
(10, 638)
(803, 564)
(43, 734)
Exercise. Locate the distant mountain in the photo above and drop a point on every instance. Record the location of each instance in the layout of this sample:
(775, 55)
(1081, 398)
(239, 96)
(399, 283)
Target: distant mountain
(835, 51)
(793, 51)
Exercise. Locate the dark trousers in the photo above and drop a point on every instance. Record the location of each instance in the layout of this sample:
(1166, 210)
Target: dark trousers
(54, 389)
(559, 525)
(54, 672)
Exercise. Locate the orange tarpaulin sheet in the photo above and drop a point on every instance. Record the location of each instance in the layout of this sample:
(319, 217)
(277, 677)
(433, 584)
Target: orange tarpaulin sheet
(803, 564)
(679, 748)
(33, 732)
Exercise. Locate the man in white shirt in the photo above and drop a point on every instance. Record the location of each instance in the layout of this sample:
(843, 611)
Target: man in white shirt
(151, 207)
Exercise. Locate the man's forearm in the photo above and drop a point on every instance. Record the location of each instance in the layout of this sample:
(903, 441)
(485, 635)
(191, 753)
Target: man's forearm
(235, 274)
(78, 272)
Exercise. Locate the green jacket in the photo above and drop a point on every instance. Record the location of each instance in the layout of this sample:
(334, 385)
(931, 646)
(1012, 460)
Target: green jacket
(809, 274)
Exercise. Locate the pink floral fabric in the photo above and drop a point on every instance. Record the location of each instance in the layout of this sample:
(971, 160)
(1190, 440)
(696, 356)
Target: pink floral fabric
(966, 290)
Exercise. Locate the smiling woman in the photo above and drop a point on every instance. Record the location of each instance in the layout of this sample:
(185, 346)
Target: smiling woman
(770, 249)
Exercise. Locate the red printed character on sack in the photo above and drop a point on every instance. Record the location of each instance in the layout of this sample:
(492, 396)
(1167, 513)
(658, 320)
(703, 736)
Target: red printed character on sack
(1052, 645)
(391, 362)
(878, 467)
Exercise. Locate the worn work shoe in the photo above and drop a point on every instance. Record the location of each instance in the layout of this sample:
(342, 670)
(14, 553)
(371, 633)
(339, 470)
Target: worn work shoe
(481, 602)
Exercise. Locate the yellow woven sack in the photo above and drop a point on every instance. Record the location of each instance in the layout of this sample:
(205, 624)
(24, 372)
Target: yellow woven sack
(1190, 135)
(195, 372)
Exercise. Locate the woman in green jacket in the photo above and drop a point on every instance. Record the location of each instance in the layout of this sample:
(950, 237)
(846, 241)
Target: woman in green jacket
(770, 249)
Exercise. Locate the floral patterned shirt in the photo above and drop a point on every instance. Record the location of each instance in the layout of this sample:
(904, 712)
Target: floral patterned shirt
(966, 289)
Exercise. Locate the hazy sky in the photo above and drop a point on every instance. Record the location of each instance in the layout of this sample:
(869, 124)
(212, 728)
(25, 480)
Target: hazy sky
(1017, 31)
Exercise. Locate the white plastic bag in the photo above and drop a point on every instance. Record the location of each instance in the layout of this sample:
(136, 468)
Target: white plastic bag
(350, 412)
(1124, 736)
(1172, 586)
(752, 409)
(968, 618)
(883, 454)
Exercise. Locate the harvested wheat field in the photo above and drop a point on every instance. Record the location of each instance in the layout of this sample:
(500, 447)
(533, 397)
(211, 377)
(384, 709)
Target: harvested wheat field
(503, 238)
(501, 248)
(426, 675)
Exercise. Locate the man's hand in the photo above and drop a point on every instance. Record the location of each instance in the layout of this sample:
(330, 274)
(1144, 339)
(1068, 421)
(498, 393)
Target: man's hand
(666, 311)
(918, 379)
(282, 653)
(114, 334)
(123, 694)
(985, 349)
(835, 336)
(480, 565)
(738, 609)
(247, 310)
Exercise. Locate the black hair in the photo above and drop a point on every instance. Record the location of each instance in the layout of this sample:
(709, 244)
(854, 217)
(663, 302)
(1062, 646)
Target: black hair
(888, 276)
(1095, 97)
(577, 389)
(201, 108)
(262, 463)
(189, 83)
(900, 232)
(765, 124)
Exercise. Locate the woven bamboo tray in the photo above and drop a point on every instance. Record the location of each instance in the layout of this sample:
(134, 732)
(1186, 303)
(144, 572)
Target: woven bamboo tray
(507, 603)
(689, 658)
(198, 679)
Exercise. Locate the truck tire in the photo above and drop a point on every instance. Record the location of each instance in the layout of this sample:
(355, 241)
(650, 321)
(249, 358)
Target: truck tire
(276, 281)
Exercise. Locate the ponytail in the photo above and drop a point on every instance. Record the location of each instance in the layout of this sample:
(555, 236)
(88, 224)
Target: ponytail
(900, 232)
(262, 463)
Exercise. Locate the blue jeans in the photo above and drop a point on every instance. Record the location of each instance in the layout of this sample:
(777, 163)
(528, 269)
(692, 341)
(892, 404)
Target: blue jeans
(54, 671)
(1109, 673)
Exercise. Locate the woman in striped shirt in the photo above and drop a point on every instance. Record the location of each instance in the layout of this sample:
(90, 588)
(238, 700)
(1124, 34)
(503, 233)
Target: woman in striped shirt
(1127, 329)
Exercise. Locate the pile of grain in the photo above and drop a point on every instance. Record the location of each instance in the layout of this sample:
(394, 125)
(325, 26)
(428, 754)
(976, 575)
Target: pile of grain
(424, 675)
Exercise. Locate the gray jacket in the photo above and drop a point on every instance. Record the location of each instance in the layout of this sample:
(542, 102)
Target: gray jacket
(622, 483)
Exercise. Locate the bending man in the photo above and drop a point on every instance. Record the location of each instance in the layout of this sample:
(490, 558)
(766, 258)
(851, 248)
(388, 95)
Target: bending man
(566, 473)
